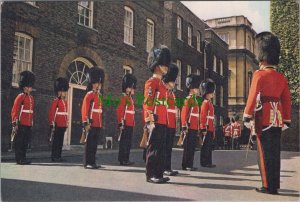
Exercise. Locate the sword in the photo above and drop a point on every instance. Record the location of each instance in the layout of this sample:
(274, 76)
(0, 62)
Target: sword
(252, 133)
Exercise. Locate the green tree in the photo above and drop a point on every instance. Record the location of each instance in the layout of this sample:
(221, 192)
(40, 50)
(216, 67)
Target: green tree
(285, 24)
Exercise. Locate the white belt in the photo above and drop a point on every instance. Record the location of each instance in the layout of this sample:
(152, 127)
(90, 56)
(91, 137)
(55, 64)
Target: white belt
(210, 117)
(172, 110)
(160, 102)
(62, 113)
(193, 114)
(130, 112)
(97, 110)
(28, 111)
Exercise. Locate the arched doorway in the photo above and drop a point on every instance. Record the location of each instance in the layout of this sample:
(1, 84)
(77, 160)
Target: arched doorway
(77, 75)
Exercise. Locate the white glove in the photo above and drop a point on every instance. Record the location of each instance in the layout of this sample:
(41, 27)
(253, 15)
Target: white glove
(284, 127)
(247, 124)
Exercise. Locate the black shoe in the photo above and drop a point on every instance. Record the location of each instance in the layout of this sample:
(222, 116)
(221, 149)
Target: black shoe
(170, 173)
(156, 180)
(93, 166)
(262, 190)
(126, 163)
(166, 179)
(191, 169)
(209, 166)
(23, 162)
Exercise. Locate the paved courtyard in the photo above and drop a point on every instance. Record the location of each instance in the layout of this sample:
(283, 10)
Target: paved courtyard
(234, 179)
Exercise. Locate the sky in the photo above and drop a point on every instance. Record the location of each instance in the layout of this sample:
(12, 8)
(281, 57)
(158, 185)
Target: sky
(257, 12)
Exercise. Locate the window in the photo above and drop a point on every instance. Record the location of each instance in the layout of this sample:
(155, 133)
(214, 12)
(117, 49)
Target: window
(128, 26)
(224, 37)
(127, 69)
(221, 67)
(221, 97)
(85, 13)
(198, 41)
(249, 43)
(188, 70)
(150, 34)
(215, 64)
(215, 99)
(178, 80)
(198, 72)
(190, 31)
(179, 27)
(23, 45)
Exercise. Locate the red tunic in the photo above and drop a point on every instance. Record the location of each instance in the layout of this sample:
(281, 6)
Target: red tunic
(227, 130)
(23, 114)
(207, 116)
(171, 110)
(129, 113)
(236, 129)
(155, 89)
(58, 113)
(190, 113)
(92, 109)
(275, 97)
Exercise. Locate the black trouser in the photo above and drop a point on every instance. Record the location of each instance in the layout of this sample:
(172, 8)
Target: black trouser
(206, 150)
(169, 145)
(89, 157)
(236, 144)
(268, 150)
(21, 142)
(156, 152)
(189, 146)
(125, 144)
(58, 141)
(227, 143)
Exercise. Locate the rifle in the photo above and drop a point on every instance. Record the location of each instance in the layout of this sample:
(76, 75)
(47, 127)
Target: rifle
(52, 130)
(16, 127)
(85, 133)
(123, 124)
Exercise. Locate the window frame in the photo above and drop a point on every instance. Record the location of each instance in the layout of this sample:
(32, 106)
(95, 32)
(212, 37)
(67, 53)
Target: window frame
(90, 17)
(190, 35)
(179, 27)
(198, 41)
(130, 26)
(215, 64)
(188, 70)
(221, 67)
(127, 68)
(15, 83)
(150, 22)
(178, 79)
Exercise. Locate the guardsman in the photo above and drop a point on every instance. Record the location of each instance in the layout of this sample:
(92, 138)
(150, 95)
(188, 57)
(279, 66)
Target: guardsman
(227, 131)
(91, 112)
(190, 116)
(22, 116)
(236, 132)
(125, 116)
(207, 122)
(58, 117)
(169, 80)
(155, 114)
(269, 103)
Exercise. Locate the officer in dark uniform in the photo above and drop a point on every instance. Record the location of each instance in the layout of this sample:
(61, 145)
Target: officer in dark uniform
(125, 116)
(22, 116)
(169, 80)
(155, 114)
(207, 122)
(91, 112)
(58, 117)
(269, 103)
(190, 114)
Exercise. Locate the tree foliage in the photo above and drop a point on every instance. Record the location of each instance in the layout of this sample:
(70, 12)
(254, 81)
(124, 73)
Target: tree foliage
(285, 24)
